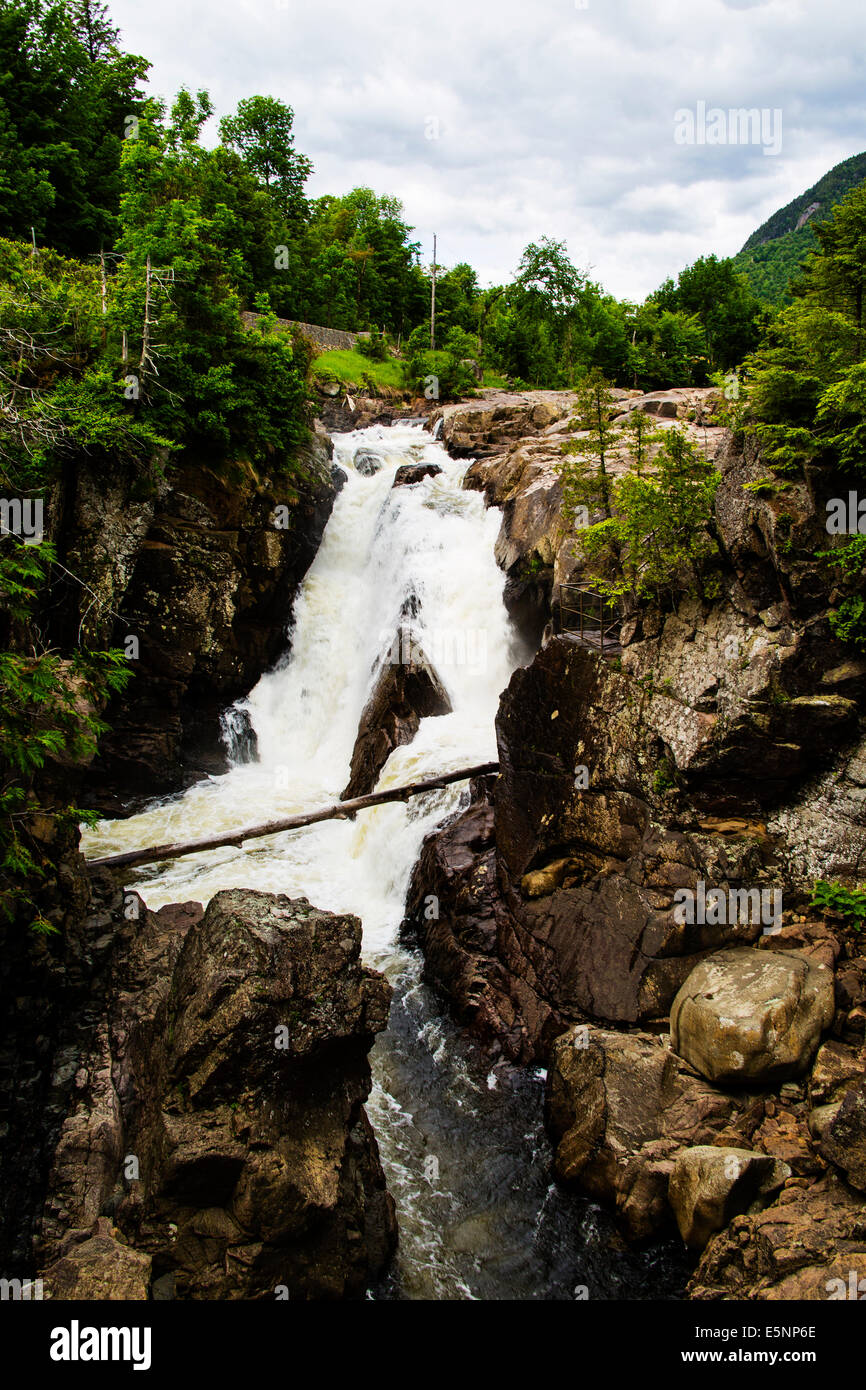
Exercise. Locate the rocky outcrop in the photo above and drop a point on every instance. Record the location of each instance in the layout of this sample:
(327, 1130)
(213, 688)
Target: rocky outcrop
(636, 1127)
(590, 899)
(625, 783)
(844, 1141)
(516, 442)
(193, 573)
(216, 1145)
(342, 409)
(621, 1107)
(803, 1246)
(747, 1017)
(404, 692)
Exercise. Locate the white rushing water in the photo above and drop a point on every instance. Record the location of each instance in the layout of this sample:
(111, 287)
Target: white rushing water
(382, 546)
(463, 1145)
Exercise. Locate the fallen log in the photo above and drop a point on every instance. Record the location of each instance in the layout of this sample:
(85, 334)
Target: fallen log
(340, 811)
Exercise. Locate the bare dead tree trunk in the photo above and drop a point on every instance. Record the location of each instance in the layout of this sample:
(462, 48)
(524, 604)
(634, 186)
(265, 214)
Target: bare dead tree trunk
(340, 811)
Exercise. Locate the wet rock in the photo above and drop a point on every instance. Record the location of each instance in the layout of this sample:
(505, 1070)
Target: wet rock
(409, 473)
(620, 1107)
(367, 463)
(404, 693)
(711, 1184)
(204, 568)
(746, 1016)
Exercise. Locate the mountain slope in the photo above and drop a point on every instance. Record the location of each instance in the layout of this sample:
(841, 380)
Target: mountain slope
(773, 253)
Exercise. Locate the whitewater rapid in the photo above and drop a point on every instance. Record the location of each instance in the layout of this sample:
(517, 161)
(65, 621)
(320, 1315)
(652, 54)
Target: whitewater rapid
(430, 544)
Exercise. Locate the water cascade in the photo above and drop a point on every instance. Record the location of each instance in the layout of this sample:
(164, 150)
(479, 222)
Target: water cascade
(462, 1144)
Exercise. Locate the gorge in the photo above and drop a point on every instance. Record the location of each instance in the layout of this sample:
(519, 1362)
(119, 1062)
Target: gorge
(541, 912)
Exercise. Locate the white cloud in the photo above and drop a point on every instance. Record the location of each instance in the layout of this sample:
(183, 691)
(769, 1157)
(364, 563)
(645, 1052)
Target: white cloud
(553, 119)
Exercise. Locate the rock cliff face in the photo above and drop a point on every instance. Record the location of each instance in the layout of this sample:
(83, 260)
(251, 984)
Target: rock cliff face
(719, 754)
(515, 442)
(200, 571)
(216, 1145)
(623, 781)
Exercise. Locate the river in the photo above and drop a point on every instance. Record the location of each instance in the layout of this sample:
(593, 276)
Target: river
(462, 1144)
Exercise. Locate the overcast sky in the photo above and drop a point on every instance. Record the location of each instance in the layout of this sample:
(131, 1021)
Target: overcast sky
(555, 117)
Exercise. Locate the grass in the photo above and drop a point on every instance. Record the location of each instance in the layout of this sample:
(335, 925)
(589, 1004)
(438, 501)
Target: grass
(351, 368)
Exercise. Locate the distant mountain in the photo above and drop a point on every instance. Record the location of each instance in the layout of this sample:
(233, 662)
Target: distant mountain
(773, 253)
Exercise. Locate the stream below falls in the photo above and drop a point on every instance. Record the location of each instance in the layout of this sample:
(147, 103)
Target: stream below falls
(462, 1142)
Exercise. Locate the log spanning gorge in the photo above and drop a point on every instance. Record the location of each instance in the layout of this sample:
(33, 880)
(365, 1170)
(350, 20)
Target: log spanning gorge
(461, 1135)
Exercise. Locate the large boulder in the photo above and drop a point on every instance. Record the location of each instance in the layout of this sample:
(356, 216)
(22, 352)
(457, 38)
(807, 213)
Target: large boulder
(746, 1017)
(620, 1107)
(405, 692)
(237, 1153)
(711, 1184)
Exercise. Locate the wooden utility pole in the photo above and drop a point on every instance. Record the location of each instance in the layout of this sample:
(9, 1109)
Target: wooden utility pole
(341, 811)
(104, 290)
(145, 333)
(433, 300)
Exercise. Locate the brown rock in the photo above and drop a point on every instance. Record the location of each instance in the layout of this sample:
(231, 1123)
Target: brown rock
(748, 1016)
(99, 1268)
(404, 693)
(790, 1250)
(845, 1140)
(710, 1185)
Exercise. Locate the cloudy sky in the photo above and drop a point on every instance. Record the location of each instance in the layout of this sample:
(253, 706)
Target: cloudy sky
(500, 121)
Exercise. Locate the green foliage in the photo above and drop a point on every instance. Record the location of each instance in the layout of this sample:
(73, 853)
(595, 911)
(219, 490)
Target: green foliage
(659, 539)
(774, 253)
(261, 132)
(349, 366)
(715, 295)
(807, 386)
(58, 391)
(665, 777)
(840, 901)
(375, 347)
(65, 94)
(442, 374)
(583, 470)
(47, 713)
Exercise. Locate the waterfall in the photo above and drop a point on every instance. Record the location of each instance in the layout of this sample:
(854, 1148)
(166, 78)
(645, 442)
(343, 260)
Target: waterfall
(463, 1146)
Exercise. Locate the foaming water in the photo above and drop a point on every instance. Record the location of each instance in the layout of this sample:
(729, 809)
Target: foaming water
(463, 1148)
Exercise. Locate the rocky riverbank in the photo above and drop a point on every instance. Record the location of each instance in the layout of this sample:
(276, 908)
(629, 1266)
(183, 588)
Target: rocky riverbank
(217, 1144)
(194, 574)
(184, 1152)
(702, 757)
